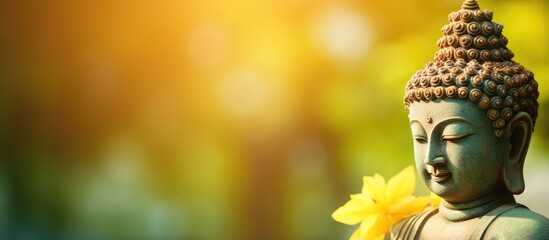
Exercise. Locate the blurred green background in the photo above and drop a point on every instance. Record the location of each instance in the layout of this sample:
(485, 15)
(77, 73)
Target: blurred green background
(220, 119)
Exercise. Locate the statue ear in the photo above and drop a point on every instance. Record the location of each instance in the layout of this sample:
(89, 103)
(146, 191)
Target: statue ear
(520, 131)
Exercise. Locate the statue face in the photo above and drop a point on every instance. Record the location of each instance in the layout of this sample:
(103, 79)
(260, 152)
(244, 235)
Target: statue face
(456, 151)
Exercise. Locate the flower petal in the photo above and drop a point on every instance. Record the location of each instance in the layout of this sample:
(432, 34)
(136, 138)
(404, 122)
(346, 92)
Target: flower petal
(355, 210)
(401, 185)
(434, 200)
(374, 226)
(407, 206)
(382, 204)
(375, 188)
(356, 235)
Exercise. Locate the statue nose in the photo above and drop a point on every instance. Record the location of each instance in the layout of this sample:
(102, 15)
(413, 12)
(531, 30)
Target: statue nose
(435, 161)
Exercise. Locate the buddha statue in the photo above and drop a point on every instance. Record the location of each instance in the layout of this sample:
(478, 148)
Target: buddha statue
(472, 112)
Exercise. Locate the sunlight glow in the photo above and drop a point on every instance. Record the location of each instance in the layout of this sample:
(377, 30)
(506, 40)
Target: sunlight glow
(342, 32)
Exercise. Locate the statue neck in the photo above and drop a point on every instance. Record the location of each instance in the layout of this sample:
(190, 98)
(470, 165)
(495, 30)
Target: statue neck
(456, 212)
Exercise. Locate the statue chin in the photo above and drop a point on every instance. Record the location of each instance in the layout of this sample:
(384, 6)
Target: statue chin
(472, 112)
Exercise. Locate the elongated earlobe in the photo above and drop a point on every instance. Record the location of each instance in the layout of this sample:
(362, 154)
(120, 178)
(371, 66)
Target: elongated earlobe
(520, 130)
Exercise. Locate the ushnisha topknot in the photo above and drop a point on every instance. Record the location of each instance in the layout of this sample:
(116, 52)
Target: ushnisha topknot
(475, 64)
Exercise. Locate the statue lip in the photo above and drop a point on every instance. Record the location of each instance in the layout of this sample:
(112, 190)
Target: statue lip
(439, 176)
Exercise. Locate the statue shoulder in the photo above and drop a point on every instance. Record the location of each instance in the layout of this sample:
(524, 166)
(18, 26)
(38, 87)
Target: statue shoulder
(395, 229)
(410, 227)
(519, 223)
(399, 228)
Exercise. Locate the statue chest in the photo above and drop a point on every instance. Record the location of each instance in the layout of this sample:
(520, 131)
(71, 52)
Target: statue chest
(437, 227)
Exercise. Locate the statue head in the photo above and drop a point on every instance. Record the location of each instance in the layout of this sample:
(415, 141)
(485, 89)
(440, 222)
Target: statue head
(472, 110)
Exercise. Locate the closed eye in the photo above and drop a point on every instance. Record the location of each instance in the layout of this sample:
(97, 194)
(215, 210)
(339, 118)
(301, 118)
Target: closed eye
(456, 138)
(420, 139)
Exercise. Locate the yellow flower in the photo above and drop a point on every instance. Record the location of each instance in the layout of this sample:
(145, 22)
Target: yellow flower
(380, 204)
(434, 201)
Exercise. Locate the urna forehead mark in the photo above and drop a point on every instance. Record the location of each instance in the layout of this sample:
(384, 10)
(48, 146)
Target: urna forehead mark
(428, 119)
